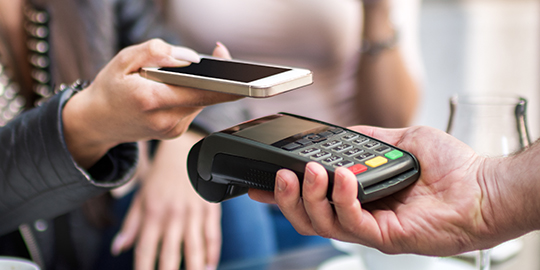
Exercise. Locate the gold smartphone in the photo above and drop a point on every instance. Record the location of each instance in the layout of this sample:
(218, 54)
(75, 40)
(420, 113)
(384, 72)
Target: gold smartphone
(237, 77)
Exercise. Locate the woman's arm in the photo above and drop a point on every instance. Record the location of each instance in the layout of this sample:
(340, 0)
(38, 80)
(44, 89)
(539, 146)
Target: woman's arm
(76, 146)
(388, 88)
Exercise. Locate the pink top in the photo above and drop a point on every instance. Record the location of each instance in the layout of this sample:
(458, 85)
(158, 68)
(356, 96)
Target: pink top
(321, 35)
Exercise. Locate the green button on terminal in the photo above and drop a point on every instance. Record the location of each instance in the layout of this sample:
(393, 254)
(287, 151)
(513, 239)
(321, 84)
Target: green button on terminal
(394, 154)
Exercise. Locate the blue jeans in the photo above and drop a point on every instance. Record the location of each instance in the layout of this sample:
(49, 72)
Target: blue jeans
(254, 230)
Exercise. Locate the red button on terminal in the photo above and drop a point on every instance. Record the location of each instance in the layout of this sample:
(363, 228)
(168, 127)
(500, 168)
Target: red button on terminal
(358, 168)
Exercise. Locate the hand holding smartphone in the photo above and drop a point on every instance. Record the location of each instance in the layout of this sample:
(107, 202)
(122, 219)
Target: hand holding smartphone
(232, 76)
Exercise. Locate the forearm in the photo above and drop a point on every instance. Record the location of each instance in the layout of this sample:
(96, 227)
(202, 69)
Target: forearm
(387, 93)
(83, 139)
(512, 186)
(38, 175)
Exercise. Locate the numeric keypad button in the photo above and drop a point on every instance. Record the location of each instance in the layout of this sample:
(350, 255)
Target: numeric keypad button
(353, 152)
(331, 144)
(345, 163)
(291, 146)
(310, 151)
(371, 145)
(341, 148)
(364, 156)
(304, 142)
(331, 160)
(337, 130)
(382, 149)
(350, 137)
(320, 155)
(325, 134)
(360, 141)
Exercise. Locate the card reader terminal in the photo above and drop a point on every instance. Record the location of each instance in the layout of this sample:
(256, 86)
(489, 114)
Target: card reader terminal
(227, 163)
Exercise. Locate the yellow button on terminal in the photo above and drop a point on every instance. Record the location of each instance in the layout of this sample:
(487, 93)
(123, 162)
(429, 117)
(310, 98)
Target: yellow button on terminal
(376, 162)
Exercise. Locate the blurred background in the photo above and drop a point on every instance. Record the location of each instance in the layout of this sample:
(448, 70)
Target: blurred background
(478, 46)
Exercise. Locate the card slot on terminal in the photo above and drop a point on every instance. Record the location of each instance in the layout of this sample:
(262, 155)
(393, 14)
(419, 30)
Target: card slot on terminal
(388, 184)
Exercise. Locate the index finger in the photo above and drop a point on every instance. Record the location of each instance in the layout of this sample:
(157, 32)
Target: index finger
(357, 225)
(262, 196)
(287, 195)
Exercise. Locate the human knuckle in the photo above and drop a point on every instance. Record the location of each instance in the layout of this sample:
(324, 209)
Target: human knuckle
(154, 210)
(142, 251)
(177, 210)
(177, 130)
(306, 231)
(161, 127)
(123, 57)
(213, 238)
(309, 199)
(156, 121)
(145, 101)
(350, 228)
(323, 231)
(155, 47)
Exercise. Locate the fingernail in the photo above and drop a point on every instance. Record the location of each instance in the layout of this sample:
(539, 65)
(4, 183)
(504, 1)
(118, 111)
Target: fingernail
(310, 175)
(180, 63)
(211, 267)
(221, 50)
(339, 173)
(185, 54)
(117, 245)
(281, 184)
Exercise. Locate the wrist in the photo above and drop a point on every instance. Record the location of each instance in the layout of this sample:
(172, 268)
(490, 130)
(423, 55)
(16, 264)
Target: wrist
(379, 33)
(511, 197)
(523, 178)
(82, 137)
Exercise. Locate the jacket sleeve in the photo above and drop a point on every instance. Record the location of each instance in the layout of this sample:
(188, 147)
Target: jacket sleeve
(38, 176)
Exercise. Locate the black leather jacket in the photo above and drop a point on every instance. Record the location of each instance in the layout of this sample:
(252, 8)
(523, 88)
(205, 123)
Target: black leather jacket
(38, 178)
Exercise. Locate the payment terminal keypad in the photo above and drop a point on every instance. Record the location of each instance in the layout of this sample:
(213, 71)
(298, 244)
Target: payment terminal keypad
(340, 148)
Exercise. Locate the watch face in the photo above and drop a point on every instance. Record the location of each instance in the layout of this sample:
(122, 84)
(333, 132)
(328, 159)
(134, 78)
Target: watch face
(275, 128)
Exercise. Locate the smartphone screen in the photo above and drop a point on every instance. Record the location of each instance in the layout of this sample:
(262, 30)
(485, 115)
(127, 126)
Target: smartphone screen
(226, 70)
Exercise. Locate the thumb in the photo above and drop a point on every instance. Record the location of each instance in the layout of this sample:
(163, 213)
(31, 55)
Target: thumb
(221, 51)
(389, 135)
